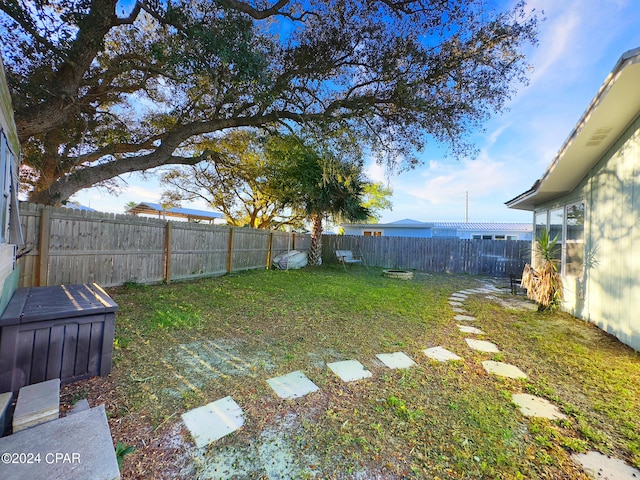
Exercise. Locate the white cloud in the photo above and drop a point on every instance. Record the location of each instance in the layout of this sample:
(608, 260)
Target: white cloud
(442, 183)
(376, 172)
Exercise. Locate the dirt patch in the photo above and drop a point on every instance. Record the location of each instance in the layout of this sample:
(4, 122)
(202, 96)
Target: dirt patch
(513, 302)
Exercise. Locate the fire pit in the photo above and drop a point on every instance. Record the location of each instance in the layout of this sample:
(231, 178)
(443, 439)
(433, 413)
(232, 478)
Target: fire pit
(399, 274)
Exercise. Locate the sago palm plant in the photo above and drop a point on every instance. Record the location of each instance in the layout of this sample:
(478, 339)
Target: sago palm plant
(544, 285)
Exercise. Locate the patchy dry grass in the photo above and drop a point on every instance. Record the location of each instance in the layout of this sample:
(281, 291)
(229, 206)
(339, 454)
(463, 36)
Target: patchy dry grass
(182, 345)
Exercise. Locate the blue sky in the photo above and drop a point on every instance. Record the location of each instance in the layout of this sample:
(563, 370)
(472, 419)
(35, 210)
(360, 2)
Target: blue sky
(579, 43)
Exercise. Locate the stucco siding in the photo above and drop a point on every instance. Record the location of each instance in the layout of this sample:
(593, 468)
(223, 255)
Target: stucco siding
(612, 273)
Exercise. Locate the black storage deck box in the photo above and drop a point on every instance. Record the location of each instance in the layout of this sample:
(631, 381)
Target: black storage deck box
(63, 332)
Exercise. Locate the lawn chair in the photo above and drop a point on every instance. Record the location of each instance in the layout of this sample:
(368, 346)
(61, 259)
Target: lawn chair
(347, 257)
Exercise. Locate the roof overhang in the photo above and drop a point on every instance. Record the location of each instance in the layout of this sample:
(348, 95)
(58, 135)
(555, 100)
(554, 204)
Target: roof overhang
(614, 107)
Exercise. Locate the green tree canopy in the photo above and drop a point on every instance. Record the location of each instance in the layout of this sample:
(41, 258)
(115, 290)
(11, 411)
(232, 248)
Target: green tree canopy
(376, 199)
(318, 184)
(236, 183)
(101, 88)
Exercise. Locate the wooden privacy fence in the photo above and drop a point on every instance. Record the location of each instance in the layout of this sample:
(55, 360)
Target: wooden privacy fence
(76, 246)
(479, 257)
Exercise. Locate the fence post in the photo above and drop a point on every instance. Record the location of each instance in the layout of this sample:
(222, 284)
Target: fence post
(269, 247)
(167, 252)
(230, 255)
(293, 240)
(43, 246)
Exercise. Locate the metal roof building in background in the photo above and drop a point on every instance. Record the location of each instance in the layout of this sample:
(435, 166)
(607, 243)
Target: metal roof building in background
(189, 214)
(464, 230)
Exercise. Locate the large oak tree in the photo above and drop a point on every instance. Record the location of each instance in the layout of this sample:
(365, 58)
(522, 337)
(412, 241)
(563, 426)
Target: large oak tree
(101, 89)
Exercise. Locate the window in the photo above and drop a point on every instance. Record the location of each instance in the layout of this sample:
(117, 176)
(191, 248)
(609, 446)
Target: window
(476, 237)
(372, 233)
(556, 224)
(512, 237)
(574, 249)
(487, 237)
(499, 237)
(5, 183)
(567, 224)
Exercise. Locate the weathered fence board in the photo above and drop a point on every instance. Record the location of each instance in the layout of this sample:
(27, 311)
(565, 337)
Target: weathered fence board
(108, 249)
(71, 246)
(486, 257)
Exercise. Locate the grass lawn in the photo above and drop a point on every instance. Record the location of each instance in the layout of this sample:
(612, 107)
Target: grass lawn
(183, 345)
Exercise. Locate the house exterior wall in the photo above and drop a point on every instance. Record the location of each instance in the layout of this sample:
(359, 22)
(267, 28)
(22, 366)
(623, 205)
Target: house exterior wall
(389, 231)
(435, 232)
(9, 151)
(607, 292)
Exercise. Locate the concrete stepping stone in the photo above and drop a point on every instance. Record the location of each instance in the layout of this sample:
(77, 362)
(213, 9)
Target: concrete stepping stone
(293, 385)
(482, 345)
(79, 406)
(462, 296)
(459, 310)
(532, 406)
(349, 370)
(396, 360)
(455, 304)
(213, 421)
(469, 329)
(464, 318)
(466, 292)
(441, 354)
(503, 369)
(36, 404)
(76, 447)
(599, 466)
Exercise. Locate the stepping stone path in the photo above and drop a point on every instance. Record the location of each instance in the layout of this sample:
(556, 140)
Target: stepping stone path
(600, 466)
(293, 385)
(441, 354)
(468, 329)
(349, 370)
(222, 417)
(532, 406)
(213, 421)
(503, 369)
(396, 360)
(482, 345)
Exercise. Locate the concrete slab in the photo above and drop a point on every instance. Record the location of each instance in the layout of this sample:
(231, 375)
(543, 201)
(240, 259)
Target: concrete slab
(532, 406)
(213, 421)
(503, 369)
(79, 406)
(396, 360)
(292, 385)
(5, 411)
(462, 296)
(349, 370)
(455, 304)
(469, 329)
(599, 466)
(37, 403)
(459, 310)
(441, 354)
(466, 292)
(76, 447)
(464, 318)
(482, 345)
